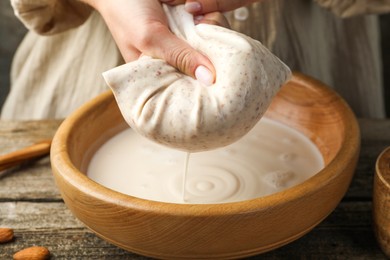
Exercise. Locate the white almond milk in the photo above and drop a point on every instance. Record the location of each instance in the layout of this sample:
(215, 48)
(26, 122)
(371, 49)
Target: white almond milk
(270, 158)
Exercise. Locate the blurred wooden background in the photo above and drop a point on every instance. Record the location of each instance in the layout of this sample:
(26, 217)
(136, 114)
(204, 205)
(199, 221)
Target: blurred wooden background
(12, 31)
(385, 30)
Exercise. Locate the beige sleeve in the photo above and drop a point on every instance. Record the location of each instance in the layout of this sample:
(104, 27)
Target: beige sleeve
(348, 8)
(51, 16)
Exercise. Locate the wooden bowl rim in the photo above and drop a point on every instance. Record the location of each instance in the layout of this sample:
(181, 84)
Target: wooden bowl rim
(381, 164)
(62, 163)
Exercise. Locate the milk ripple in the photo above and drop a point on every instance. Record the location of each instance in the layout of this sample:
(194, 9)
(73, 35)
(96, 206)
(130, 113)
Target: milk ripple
(215, 184)
(271, 158)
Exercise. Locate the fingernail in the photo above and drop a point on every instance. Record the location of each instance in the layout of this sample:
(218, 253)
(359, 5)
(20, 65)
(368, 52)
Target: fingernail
(193, 7)
(198, 17)
(204, 75)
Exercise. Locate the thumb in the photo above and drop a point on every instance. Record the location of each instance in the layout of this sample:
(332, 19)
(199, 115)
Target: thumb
(181, 55)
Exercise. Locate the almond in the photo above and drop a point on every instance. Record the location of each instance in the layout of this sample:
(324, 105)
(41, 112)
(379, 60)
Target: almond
(33, 253)
(6, 235)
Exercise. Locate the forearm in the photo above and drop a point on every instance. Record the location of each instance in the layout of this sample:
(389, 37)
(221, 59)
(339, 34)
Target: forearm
(92, 3)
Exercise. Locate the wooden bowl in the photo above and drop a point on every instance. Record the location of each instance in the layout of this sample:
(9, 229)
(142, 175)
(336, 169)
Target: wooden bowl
(230, 230)
(381, 201)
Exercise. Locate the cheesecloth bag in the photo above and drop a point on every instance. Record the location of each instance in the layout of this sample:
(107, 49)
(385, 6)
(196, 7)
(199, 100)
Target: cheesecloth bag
(176, 110)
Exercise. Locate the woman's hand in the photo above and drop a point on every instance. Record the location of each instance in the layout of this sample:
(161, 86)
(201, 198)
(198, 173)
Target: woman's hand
(141, 27)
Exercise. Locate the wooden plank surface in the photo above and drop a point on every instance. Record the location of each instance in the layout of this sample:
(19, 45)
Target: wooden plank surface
(33, 180)
(32, 206)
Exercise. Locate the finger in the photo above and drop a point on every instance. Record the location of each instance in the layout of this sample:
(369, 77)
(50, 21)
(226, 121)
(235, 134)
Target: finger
(130, 54)
(214, 18)
(173, 2)
(208, 6)
(181, 55)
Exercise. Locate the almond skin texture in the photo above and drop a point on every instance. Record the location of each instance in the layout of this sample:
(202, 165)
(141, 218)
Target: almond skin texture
(33, 253)
(6, 235)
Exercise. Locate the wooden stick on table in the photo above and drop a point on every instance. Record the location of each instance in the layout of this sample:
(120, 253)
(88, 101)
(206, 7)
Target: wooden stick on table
(27, 153)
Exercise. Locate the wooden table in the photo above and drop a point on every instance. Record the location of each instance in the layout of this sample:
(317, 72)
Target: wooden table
(31, 205)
